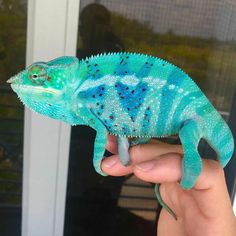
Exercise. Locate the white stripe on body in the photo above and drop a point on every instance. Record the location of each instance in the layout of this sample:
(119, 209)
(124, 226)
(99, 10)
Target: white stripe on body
(129, 80)
(175, 104)
(190, 110)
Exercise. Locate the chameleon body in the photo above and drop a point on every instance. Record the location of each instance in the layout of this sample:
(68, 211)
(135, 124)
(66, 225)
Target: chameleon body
(127, 95)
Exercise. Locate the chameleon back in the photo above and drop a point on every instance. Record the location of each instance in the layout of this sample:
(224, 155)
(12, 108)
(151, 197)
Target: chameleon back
(139, 95)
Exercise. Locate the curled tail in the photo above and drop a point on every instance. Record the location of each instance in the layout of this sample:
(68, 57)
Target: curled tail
(220, 138)
(162, 203)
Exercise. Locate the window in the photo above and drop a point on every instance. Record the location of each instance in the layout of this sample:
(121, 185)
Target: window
(12, 59)
(197, 36)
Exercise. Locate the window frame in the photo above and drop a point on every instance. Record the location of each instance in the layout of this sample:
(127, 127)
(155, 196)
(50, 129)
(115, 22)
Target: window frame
(46, 141)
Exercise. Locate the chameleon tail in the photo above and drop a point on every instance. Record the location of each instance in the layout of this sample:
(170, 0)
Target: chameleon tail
(157, 186)
(159, 198)
(220, 139)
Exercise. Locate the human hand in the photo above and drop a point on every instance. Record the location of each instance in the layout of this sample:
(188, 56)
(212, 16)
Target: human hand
(203, 210)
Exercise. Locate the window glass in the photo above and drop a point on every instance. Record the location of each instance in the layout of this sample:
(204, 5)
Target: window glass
(199, 37)
(12, 59)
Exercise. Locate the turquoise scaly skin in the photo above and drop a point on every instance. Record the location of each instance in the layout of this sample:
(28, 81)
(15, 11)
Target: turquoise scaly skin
(127, 95)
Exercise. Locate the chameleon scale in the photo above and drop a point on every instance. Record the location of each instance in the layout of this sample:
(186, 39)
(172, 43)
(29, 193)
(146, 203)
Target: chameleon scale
(127, 95)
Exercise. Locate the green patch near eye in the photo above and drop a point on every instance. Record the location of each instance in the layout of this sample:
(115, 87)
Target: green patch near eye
(37, 74)
(36, 69)
(56, 79)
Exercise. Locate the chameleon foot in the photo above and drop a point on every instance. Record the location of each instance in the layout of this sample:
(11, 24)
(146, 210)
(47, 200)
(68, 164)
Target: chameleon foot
(123, 150)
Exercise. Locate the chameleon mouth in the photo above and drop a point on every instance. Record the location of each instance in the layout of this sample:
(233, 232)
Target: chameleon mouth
(34, 89)
(17, 79)
(12, 80)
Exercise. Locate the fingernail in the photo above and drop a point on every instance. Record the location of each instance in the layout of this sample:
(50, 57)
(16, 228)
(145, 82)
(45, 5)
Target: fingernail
(145, 166)
(110, 161)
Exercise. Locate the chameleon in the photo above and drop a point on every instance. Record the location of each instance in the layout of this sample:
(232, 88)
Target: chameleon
(129, 95)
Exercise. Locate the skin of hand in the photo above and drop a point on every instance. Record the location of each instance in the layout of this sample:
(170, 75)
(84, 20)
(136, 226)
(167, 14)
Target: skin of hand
(204, 210)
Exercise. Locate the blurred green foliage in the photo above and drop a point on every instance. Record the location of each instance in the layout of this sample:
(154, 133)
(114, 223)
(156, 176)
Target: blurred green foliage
(12, 52)
(12, 55)
(12, 59)
(208, 61)
(12, 38)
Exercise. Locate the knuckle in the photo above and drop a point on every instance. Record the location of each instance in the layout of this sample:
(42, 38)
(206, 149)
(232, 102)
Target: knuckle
(216, 169)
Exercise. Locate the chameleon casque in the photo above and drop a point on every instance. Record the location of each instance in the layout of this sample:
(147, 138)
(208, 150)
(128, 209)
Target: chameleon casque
(127, 95)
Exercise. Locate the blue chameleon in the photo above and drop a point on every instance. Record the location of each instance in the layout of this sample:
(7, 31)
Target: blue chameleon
(128, 95)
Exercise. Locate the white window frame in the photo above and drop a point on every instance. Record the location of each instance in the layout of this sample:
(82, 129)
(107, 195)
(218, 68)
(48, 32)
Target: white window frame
(51, 32)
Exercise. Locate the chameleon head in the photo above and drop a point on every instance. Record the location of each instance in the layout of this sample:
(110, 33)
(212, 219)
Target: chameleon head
(44, 87)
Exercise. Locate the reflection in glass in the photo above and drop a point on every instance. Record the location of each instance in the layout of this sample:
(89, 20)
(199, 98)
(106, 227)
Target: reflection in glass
(12, 59)
(199, 37)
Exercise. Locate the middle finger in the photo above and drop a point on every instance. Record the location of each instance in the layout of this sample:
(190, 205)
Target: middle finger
(146, 152)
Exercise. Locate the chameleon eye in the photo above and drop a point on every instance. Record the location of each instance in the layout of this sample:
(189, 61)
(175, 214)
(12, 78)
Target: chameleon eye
(37, 74)
(34, 76)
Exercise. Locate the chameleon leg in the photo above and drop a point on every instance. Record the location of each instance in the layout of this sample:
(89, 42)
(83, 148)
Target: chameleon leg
(191, 164)
(221, 140)
(99, 148)
(123, 148)
(101, 136)
(162, 203)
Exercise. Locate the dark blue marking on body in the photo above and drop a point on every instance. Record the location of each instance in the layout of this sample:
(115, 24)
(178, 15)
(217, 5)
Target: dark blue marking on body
(109, 122)
(125, 129)
(131, 97)
(146, 68)
(95, 96)
(122, 67)
(94, 93)
(145, 126)
(98, 109)
(93, 71)
(168, 95)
